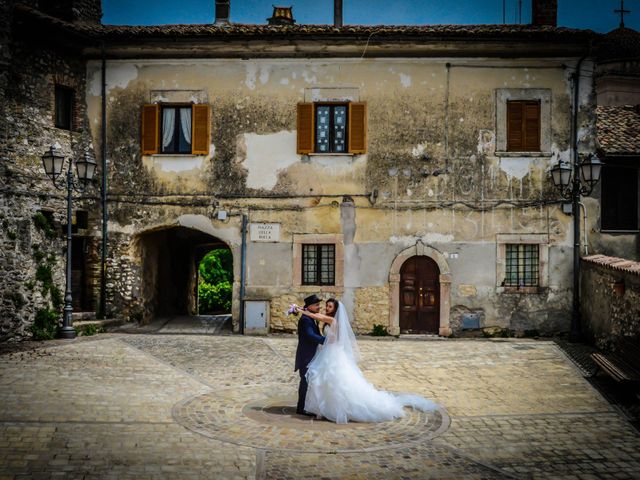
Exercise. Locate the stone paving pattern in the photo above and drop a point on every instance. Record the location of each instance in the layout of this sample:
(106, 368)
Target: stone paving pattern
(113, 407)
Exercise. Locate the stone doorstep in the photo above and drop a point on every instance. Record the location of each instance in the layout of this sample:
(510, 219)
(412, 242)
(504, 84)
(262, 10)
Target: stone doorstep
(79, 316)
(105, 323)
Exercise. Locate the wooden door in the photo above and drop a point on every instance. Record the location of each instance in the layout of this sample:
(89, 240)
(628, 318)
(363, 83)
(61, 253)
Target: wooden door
(419, 296)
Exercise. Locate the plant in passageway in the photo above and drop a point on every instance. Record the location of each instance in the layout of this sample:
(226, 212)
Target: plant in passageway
(215, 282)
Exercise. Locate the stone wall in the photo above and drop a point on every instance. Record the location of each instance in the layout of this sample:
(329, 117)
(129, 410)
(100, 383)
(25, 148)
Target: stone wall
(32, 251)
(371, 308)
(610, 299)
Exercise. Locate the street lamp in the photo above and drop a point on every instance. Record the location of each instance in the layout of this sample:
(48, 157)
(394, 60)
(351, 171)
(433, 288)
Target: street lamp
(53, 162)
(572, 182)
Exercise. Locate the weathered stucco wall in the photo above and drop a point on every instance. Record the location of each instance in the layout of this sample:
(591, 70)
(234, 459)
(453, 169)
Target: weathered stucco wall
(425, 116)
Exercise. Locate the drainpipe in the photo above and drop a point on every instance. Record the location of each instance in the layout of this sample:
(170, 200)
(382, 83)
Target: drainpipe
(243, 264)
(103, 193)
(575, 333)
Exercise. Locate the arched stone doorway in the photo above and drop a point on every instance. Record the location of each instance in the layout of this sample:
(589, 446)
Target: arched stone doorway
(169, 260)
(444, 282)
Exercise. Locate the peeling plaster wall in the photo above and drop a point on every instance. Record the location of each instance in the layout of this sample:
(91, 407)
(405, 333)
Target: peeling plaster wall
(423, 117)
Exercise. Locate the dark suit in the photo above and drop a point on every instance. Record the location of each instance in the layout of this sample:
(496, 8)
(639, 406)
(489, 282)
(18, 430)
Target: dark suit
(308, 340)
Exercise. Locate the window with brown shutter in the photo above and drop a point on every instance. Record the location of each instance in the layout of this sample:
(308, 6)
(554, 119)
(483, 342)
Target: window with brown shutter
(176, 129)
(357, 127)
(332, 128)
(523, 126)
(305, 128)
(201, 131)
(150, 127)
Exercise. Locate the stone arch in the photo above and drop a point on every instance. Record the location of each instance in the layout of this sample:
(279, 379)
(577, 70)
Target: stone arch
(420, 249)
(169, 252)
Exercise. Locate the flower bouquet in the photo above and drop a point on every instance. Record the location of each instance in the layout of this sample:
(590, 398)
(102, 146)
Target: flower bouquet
(293, 309)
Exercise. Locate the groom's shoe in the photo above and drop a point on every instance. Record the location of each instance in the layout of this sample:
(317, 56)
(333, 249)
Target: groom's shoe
(305, 413)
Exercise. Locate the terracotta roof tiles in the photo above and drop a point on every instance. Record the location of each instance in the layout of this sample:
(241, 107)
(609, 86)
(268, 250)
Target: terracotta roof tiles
(619, 129)
(614, 263)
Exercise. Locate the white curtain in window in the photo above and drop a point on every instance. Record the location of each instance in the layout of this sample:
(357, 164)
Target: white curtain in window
(168, 124)
(185, 123)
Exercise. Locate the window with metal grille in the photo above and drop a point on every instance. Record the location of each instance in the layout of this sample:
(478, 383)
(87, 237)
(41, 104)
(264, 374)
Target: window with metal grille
(331, 128)
(523, 264)
(318, 264)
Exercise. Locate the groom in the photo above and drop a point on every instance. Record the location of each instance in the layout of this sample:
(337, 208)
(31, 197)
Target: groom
(308, 340)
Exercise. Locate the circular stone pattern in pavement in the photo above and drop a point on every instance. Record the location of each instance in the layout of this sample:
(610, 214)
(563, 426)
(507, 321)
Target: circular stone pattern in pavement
(264, 417)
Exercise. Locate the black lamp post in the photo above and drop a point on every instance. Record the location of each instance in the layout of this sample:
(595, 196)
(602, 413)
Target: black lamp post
(572, 182)
(53, 162)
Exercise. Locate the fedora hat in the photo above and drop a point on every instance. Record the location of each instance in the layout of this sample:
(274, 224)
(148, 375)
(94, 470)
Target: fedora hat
(311, 299)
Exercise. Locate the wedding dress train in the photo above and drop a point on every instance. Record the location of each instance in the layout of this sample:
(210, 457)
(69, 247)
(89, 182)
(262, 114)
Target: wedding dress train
(338, 391)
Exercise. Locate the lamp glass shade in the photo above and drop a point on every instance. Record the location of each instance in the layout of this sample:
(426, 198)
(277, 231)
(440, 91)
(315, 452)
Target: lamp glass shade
(52, 161)
(86, 168)
(590, 170)
(561, 175)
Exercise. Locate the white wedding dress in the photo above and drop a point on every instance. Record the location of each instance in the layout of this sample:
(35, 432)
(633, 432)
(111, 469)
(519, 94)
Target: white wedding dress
(338, 391)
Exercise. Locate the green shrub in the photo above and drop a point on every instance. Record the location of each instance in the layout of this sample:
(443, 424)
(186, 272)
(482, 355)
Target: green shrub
(216, 266)
(42, 223)
(44, 275)
(214, 298)
(87, 330)
(379, 331)
(56, 297)
(45, 324)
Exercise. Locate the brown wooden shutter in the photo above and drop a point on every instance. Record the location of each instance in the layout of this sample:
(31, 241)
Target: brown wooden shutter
(200, 129)
(150, 128)
(515, 140)
(531, 126)
(305, 128)
(358, 127)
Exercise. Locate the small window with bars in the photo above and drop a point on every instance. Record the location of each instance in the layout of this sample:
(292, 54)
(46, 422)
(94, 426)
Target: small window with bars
(523, 265)
(318, 264)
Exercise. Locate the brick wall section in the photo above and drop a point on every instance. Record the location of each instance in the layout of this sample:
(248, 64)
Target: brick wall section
(610, 299)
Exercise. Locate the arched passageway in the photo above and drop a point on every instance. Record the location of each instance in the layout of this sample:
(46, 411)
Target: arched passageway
(170, 259)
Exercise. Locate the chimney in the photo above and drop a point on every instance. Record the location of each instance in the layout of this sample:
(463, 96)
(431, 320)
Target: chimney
(544, 12)
(337, 13)
(223, 9)
(281, 16)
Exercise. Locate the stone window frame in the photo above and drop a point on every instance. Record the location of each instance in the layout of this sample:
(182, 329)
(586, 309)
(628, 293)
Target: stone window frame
(315, 238)
(543, 95)
(540, 239)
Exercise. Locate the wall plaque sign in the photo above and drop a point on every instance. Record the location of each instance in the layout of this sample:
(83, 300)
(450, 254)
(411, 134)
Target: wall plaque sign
(264, 232)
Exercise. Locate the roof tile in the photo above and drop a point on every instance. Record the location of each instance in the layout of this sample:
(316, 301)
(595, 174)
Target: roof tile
(619, 129)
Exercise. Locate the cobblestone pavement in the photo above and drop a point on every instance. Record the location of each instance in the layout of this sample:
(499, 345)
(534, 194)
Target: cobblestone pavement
(202, 406)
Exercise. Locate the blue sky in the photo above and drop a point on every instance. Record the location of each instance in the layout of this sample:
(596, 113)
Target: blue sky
(595, 14)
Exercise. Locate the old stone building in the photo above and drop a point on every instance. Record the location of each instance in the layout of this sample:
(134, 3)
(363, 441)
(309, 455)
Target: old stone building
(404, 170)
(42, 86)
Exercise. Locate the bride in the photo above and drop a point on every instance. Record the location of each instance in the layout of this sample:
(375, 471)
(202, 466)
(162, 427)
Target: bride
(338, 391)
